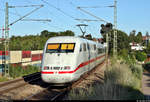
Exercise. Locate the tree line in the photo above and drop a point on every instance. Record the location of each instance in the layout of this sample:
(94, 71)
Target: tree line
(33, 42)
(123, 39)
(123, 44)
(37, 42)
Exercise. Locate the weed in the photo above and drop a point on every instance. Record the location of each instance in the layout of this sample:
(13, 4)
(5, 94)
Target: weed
(122, 82)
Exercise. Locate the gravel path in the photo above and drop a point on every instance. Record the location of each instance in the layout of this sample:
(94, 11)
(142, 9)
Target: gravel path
(146, 85)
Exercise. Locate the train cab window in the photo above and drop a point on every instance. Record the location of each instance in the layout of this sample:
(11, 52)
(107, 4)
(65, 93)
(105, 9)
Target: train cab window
(60, 48)
(84, 47)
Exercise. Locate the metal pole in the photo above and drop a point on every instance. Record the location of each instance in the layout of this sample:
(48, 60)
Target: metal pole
(107, 48)
(6, 61)
(115, 29)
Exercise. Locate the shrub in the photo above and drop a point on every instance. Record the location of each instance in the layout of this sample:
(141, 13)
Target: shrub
(137, 71)
(141, 56)
(124, 53)
(18, 71)
(146, 66)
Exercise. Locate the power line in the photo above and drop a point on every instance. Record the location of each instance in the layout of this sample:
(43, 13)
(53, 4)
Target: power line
(27, 6)
(36, 20)
(10, 12)
(77, 9)
(97, 6)
(17, 12)
(26, 14)
(88, 20)
(80, 8)
(58, 9)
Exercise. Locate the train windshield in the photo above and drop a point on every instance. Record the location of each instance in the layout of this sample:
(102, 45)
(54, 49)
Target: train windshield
(60, 48)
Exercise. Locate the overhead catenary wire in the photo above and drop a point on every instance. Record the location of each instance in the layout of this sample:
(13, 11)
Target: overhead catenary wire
(77, 9)
(26, 14)
(17, 12)
(58, 9)
(27, 6)
(96, 6)
(100, 19)
(11, 12)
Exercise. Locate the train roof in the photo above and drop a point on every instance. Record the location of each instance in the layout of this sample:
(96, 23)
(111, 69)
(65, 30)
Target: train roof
(74, 39)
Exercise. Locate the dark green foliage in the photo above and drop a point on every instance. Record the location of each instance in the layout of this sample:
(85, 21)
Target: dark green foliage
(122, 40)
(148, 49)
(137, 71)
(123, 53)
(141, 56)
(34, 42)
(18, 71)
(132, 36)
(146, 66)
(139, 38)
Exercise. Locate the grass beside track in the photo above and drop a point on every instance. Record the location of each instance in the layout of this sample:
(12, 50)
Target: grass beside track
(3, 79)
(18, 71)
(122, 82)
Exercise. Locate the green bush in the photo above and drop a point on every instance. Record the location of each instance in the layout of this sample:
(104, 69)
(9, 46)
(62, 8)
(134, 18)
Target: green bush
(18, 71)
(146, 66)
(124, 53)
(141, 56)
(137, 71)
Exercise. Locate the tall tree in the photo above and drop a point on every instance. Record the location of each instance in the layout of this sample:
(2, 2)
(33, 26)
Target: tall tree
(122, 40)
(139, 38)
(45, 33)
(132, 36)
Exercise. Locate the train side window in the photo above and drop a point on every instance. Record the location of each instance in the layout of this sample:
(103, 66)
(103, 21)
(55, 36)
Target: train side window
(100, 50)
(84, 47)
(94, 47)
(88, 46)
(80, 47)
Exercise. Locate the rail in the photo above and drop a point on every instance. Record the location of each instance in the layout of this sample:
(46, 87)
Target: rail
(56, 94)
(17, 83)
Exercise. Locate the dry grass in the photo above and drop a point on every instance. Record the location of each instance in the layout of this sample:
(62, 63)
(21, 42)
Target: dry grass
(121, 83)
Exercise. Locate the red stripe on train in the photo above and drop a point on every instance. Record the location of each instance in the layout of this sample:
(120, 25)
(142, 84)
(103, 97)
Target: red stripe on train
(81, 65)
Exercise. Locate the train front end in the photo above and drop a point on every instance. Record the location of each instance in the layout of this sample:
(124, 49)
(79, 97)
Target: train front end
(58, 61)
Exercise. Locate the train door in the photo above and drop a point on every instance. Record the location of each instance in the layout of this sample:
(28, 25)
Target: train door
(88, 55)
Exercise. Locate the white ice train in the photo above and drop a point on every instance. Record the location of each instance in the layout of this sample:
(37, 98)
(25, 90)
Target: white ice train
(66, 58)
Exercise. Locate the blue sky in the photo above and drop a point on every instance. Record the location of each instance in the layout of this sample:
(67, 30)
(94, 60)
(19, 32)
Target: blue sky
(132, 14)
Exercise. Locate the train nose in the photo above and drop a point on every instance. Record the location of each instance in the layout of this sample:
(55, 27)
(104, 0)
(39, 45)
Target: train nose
(57, 78)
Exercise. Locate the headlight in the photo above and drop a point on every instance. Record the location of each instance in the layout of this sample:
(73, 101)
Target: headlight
(67, 68)
(46, 68)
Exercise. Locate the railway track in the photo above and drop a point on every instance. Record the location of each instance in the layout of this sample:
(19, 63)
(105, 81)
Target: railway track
(5, 87)
(56, 92)
(48, 93)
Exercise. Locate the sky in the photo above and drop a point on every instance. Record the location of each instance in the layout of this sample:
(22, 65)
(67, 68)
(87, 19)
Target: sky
(131, 15)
